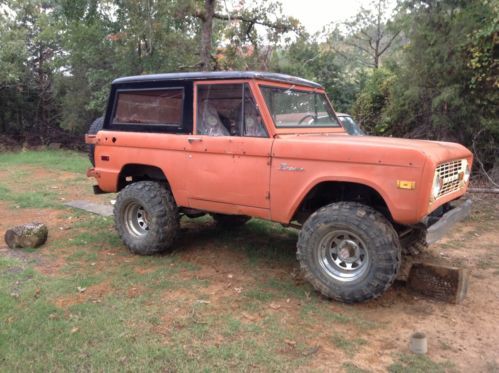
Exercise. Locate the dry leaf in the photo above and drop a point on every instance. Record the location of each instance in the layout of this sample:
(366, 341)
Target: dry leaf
(290, 342)
(274, 306)
(249, 317)
(202, 301)
(74, 330)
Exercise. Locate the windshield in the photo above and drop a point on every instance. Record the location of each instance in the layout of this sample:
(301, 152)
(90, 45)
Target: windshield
(294, 108)
(351, 126)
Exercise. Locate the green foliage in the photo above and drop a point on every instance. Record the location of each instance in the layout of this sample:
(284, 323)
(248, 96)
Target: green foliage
(59, 57)
(442, 84)
(433, 94)
(435, 69)
(317, 61)
(369, 107)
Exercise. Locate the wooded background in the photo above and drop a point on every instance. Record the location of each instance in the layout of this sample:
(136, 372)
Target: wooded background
(427, 70)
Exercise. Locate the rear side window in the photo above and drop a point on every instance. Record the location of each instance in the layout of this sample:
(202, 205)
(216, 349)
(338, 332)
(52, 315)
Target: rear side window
(161, 107)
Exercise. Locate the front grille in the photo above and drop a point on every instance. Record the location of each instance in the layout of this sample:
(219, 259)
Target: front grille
(449, 173)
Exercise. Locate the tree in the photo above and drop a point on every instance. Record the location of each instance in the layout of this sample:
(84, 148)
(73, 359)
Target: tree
(372, 32)
(28, 30)
(371, 102)
(308, 58)
(446, 83)
(240, 25)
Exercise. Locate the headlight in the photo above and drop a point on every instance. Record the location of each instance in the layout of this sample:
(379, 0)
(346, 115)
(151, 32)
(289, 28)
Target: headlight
(437, 186)
(467, 172)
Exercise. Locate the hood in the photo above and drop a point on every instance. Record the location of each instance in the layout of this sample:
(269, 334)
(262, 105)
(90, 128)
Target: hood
(368, 149)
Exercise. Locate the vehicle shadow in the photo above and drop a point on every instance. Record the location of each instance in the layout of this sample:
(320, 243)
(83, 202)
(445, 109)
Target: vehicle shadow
(258, 240)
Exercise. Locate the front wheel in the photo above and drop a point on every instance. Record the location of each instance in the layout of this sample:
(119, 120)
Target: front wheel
(146, 217)
(349, 252)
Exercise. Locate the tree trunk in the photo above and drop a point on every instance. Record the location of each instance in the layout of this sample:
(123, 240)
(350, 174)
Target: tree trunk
(206, 34)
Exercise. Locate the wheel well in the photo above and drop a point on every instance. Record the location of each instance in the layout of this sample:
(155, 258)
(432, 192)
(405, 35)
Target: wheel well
(138, 172)
(337, 191)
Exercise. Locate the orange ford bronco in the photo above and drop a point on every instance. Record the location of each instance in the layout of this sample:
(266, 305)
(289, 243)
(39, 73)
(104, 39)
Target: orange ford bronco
(239, 145)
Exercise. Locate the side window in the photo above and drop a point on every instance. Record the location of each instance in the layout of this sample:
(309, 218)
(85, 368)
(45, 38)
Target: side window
(159, 107)
(228, 110)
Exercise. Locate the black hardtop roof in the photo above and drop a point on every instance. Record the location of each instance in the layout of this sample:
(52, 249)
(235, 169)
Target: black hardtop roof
(203, 75)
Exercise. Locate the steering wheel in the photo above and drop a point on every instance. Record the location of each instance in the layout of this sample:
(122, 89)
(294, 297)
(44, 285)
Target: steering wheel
(305, 117)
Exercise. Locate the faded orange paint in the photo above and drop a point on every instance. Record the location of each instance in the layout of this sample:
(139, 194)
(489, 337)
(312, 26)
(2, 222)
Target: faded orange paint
(269, 177)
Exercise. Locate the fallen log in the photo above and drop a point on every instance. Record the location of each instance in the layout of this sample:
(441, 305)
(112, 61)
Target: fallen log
(26, 236)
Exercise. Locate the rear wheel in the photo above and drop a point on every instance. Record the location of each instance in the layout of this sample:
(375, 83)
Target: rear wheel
(146, 217)
(230, 221)
(349, 252)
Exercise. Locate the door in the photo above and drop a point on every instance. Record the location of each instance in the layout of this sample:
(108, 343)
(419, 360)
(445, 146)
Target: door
(229, 152)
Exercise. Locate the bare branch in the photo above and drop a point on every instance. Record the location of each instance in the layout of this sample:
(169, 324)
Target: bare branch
(277, 25)
(359, 47)
(389, 43)
(369, 40)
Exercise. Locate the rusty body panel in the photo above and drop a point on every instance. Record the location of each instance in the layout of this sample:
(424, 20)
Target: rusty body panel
(270, 177)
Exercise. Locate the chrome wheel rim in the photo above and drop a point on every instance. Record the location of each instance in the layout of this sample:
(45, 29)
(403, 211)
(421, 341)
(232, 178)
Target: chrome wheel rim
(343, 256)
(136, 219)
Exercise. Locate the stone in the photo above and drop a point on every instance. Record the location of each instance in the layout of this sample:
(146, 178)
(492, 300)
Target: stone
(96, 208)
(30, 235)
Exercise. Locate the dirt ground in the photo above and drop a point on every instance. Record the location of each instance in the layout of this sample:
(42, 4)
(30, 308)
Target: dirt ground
(466, 334)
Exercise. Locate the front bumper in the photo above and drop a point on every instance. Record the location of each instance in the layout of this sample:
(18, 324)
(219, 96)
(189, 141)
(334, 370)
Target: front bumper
(438, 227)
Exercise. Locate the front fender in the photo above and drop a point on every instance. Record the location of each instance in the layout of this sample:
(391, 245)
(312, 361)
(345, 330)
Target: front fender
(289, 188)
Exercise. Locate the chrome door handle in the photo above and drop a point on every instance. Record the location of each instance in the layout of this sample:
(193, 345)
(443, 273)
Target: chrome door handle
(194, 139)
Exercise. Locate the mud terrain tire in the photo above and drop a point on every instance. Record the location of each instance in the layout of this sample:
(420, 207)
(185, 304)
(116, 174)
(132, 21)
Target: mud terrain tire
(414, 243)
(95, 127)
(230, 221)
(146, 217)
(349, 252)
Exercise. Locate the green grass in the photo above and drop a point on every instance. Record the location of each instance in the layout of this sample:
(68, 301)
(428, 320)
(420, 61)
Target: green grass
(352, 368)
(22, 191)
(63, 160)
(171, 312)
(409, 363)
(118, 332)
(350, 346)
(30, 199)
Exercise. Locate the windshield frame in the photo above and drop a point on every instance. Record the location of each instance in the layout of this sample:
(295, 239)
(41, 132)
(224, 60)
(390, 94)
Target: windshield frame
(299, 128)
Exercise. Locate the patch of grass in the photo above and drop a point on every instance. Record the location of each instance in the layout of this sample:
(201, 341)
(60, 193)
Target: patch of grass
(91, 221)
(314, 311)
(288, 289)
(63, 160)
(82, 255)
(34, 199)
(352, 368)
(407, 363)
(350, 346)
(259, 295)
(488, 263)
(96, 239)
(492, 367)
